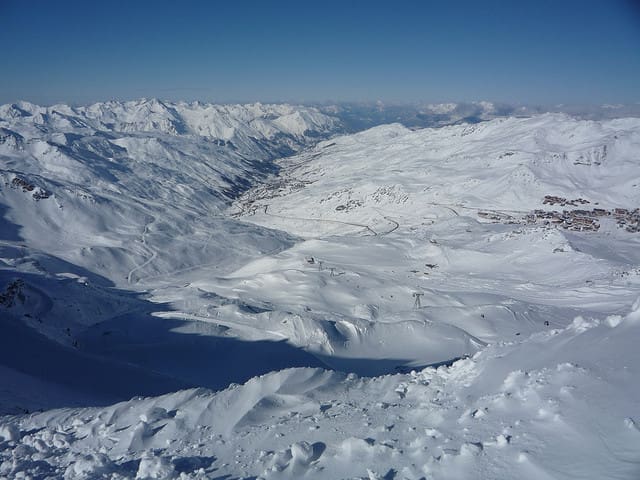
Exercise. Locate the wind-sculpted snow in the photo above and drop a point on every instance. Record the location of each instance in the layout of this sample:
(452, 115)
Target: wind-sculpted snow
(556, 404)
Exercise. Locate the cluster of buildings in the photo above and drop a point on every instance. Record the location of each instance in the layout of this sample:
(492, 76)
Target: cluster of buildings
(498, 217)
(575, 220)
(627, 219)
(553, 200)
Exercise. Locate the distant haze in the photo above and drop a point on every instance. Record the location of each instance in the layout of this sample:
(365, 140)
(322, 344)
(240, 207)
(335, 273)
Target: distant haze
(533, 52)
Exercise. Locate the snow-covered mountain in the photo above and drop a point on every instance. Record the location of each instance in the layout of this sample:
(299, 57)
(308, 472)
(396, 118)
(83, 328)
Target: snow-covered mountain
(505, 166)
(361, 116)
(487, 272)
(106, 195)
(116, 184)
(491, 229)
(364, 115)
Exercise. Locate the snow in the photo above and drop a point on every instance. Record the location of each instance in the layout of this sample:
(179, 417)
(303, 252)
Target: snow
(553, 405)
(177, 301)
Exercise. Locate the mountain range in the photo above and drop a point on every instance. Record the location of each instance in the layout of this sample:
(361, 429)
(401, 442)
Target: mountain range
(191, 290)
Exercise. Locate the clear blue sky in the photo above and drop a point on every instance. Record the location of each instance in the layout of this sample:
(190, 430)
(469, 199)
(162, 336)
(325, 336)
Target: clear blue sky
(538, 51)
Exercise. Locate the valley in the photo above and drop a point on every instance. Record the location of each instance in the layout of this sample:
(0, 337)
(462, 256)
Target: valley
(248, 291)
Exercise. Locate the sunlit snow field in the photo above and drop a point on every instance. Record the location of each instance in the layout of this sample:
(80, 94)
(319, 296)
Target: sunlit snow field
(282, 300)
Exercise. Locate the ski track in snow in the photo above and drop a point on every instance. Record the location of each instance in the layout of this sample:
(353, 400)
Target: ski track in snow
(153, 256)
(366, 227)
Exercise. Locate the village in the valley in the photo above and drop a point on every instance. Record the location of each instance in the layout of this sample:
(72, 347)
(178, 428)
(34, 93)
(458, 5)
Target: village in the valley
(578, 219)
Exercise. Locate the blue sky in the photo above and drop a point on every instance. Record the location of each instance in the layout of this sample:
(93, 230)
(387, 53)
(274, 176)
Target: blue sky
(536, 52)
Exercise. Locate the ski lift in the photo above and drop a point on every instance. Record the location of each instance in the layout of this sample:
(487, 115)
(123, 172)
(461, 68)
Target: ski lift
(417, 295)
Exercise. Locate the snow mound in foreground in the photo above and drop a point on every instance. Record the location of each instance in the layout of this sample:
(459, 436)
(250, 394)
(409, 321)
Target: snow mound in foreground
(554, 405)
